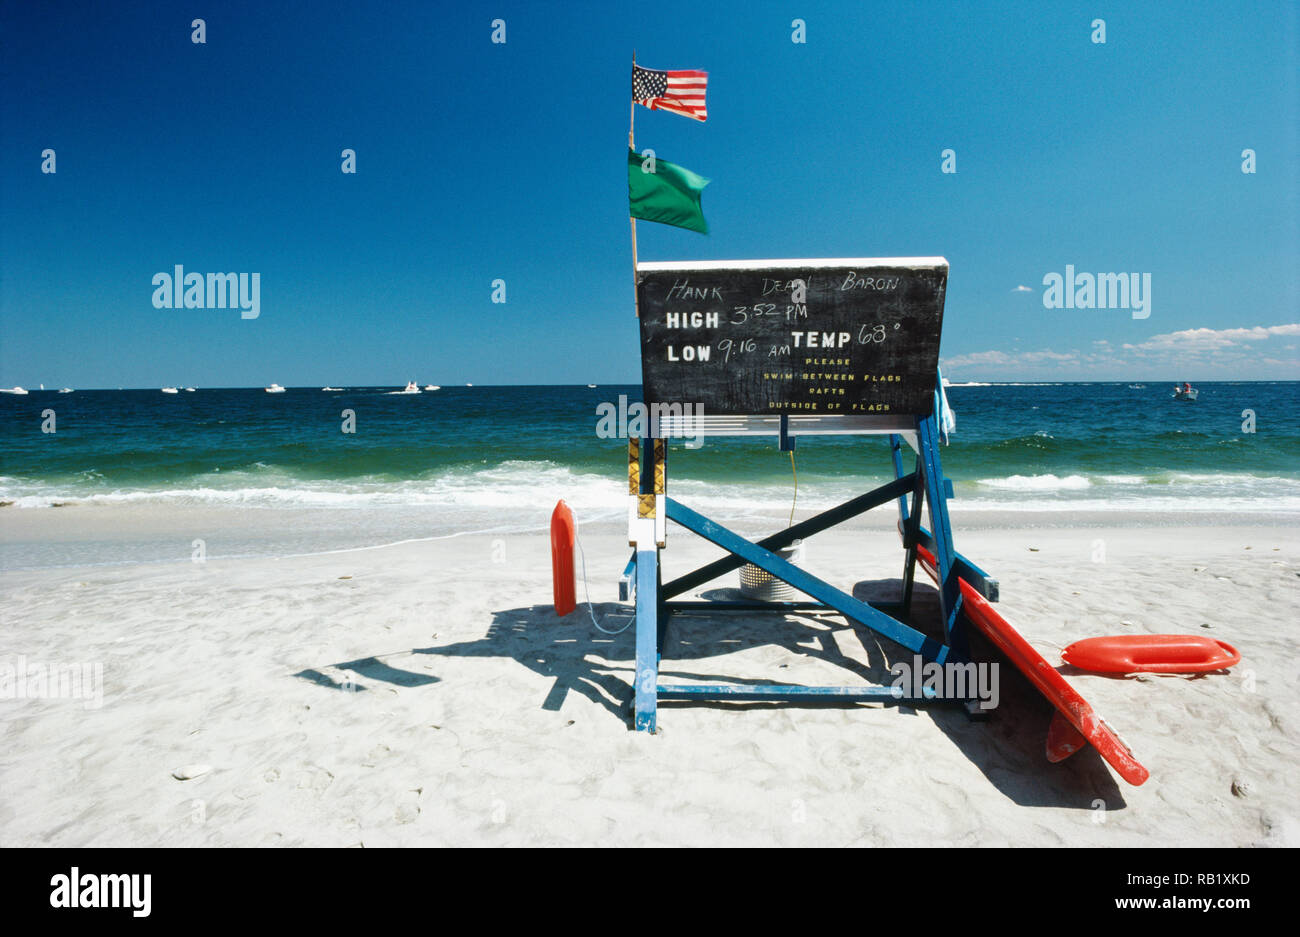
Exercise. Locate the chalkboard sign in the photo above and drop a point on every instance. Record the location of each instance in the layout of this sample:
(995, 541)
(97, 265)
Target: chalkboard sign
(828, 337)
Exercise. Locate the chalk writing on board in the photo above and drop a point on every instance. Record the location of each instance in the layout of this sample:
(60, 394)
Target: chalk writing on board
(832, 337)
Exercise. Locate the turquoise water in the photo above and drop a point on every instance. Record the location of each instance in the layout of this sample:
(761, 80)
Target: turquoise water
(474, 454)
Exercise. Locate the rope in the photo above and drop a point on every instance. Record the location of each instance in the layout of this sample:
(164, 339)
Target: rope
(587, 592)
(795, 497)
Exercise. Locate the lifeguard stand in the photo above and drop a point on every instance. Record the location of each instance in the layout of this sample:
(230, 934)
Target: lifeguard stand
(789, 349)
(792, 348)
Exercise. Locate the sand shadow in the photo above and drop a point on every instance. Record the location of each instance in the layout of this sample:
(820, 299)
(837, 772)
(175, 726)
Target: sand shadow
(1008, 747)
(1008, 743)
(370, 668)
(569, 651)
(328, 682)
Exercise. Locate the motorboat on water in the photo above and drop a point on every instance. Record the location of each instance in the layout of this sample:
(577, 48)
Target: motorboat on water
(189, 390)
(274, 389)
(65, 390)
(410, 388)
(1186, 392)
(331, 388)
(13, 390)
(432, 387)
(170, 390)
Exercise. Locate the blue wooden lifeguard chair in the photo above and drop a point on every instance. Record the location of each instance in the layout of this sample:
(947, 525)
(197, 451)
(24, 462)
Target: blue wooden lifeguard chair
(877, 322)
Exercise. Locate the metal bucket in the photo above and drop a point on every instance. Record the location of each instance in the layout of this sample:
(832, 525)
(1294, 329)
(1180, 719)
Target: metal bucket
(761, 585)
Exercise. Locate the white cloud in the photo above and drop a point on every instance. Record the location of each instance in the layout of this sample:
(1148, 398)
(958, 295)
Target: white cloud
(1221, 353)
(1003, 358)
(1201, 340)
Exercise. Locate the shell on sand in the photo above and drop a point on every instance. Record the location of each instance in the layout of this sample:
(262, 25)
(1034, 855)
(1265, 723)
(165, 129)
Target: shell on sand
(186, 772)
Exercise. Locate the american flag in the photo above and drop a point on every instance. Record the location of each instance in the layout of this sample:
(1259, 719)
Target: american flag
(681, 92)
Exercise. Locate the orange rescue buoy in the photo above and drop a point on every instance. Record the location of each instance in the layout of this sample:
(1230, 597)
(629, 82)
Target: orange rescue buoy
(562, 537)
(1151, 653)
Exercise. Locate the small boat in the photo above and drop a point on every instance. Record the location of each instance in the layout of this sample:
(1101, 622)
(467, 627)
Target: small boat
(331, 388)
(1151, 653)
(170, 390)
(410, 388)
(469, 385)
(274, 389)
(14, 390)
(591, 385)
(189, 390)
(65, 390)
(432, 387)
(1186, 392)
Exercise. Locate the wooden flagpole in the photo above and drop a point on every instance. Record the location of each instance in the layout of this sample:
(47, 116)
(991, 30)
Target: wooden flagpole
(631, 144)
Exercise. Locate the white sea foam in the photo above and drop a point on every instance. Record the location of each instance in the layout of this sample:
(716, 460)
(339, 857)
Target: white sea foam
(1283, 505)
(524, 491)
(1037, 482)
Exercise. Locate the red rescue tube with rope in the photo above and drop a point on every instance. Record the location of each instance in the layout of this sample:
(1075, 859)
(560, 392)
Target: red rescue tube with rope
(1151, 653)
(563, 534)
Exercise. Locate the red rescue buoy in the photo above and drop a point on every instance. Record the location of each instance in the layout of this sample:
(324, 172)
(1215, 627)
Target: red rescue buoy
(562, 537)
(1151, 653)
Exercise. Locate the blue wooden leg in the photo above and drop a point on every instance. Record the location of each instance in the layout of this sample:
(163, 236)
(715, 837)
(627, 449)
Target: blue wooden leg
(911, 524)
(647, 639)
(936, 495)
(908, 522)
(896, 454)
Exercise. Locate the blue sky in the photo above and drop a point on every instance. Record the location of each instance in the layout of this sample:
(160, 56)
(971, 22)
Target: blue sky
(478, 161)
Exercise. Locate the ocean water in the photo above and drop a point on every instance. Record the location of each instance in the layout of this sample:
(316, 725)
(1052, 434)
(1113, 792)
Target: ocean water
(497, 458)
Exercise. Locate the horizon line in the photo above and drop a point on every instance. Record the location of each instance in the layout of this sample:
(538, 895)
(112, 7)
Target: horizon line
(5, 391)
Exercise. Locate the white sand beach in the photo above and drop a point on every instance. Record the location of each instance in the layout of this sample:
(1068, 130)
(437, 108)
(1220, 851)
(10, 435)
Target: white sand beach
(426, 694)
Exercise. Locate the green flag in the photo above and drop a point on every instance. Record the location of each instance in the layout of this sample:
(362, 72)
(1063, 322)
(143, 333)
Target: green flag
(670, 194)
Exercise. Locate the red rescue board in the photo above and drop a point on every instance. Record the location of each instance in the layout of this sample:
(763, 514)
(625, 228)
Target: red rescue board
(1063, 739)
(1071, 708)
(563, 579)
(1151, 653)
